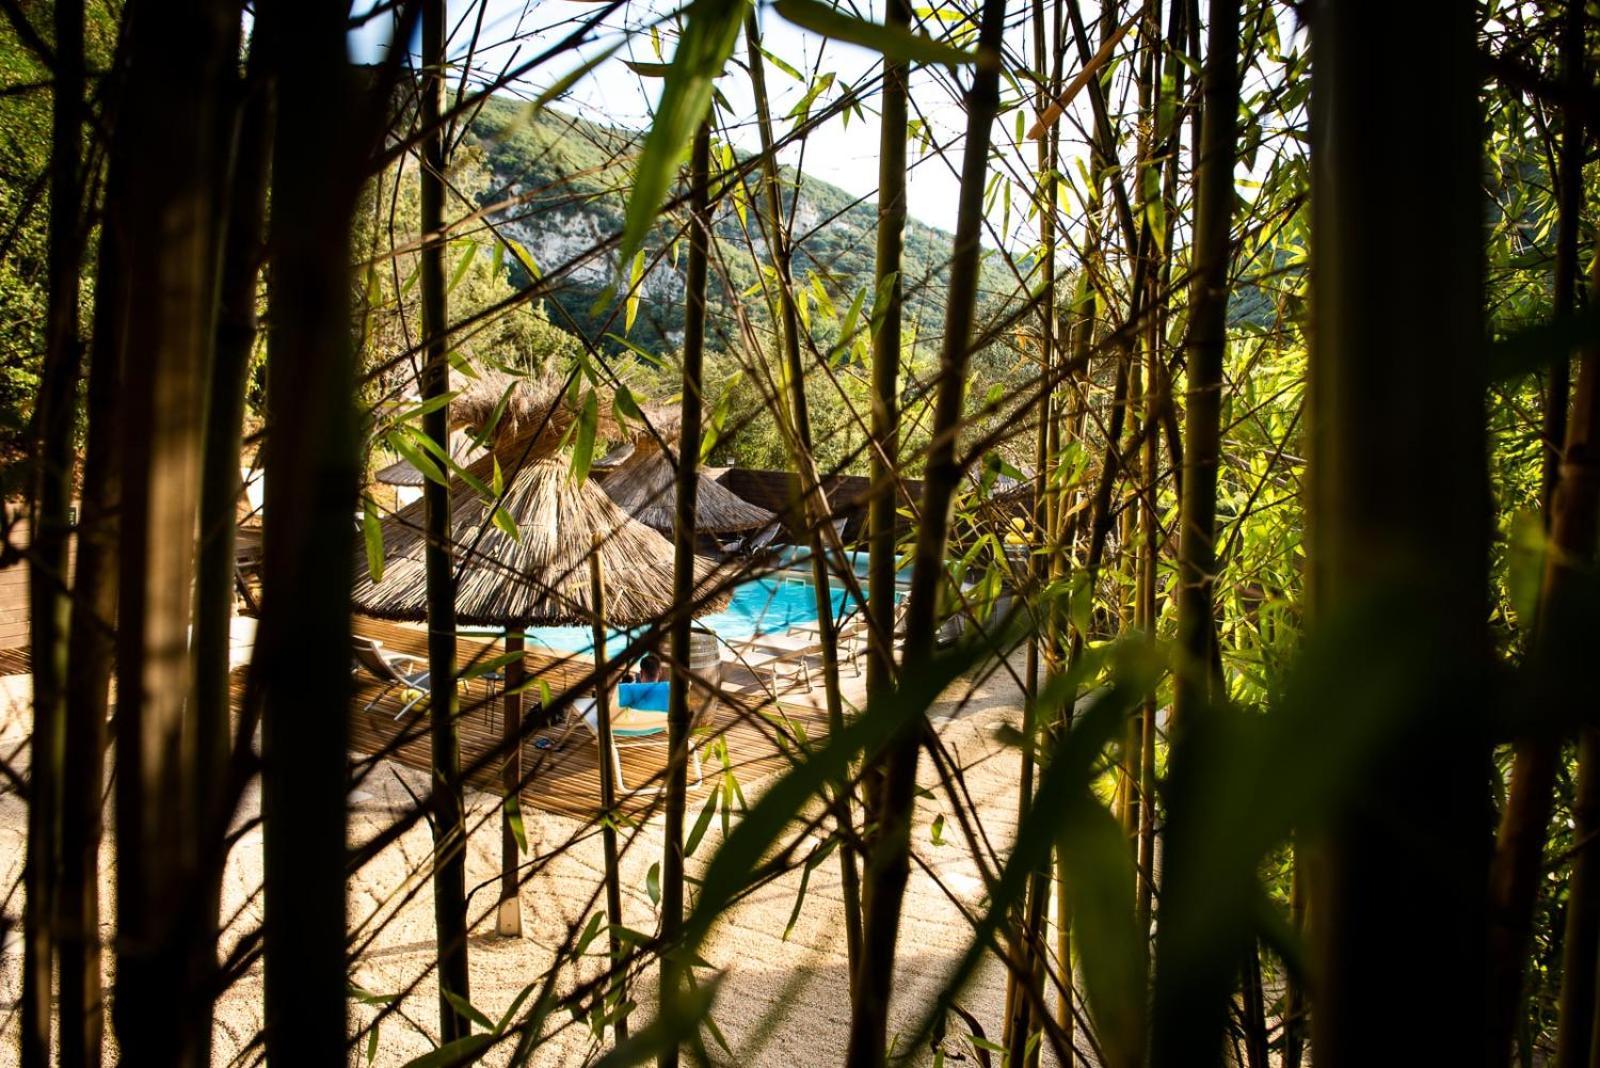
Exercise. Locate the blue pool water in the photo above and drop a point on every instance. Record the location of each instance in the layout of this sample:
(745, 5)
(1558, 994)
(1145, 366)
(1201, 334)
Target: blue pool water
(768, 605)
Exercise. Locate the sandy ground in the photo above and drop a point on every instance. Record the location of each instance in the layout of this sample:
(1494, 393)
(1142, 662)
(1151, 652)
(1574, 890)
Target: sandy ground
(782, 1002)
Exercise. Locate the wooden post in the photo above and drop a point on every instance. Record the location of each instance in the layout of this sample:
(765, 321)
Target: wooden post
(610, 775)
(508, 923)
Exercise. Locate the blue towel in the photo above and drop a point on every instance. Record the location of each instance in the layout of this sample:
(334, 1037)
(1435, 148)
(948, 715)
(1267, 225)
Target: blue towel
(645, 696)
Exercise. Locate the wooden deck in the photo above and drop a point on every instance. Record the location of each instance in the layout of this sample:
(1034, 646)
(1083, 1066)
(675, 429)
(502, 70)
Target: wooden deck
(564, 779)
(15, 661)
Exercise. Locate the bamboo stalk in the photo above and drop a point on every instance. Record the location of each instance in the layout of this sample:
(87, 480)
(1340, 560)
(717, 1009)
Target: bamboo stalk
(508, 916)
(1392, 526)
(889, 865)
(1032, 936)
(303, 643)
(683, 573)
(813, 496)
(49, 606)
(170, 117)
(91, 649)
(449, 820)
(608, 794)
(246, 124)
(1518, 864)
(1195, 685)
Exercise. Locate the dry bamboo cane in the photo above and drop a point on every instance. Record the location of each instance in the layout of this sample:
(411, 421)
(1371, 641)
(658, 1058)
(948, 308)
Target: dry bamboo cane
(609, 775)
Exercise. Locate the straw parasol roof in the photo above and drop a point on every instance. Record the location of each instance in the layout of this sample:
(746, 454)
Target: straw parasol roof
(644, 482)
(540, 577)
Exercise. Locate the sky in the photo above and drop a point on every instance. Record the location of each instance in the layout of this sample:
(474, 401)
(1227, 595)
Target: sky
(843, 154)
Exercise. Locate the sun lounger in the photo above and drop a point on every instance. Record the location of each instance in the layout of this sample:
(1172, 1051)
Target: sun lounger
(788, 653)
(390, 669)
(638, 718)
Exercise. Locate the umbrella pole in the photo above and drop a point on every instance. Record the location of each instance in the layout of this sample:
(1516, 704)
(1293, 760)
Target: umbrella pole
(610, 773)
(508, 922)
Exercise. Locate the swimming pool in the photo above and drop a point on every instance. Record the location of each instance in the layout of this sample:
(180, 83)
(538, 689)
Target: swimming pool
(768, 605)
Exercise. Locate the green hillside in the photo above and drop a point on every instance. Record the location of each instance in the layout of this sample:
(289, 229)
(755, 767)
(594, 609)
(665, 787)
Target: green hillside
(572, 176)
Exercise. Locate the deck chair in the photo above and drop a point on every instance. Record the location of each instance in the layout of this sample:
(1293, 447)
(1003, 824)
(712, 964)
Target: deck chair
(638, 718)
(761, 540)
(788, 661)
(388, 669)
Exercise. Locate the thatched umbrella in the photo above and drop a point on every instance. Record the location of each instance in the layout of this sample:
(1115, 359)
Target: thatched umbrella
(644, 484)
(538, 576)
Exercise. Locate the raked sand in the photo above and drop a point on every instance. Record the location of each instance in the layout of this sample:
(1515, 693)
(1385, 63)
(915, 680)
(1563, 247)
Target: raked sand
(783, 1002)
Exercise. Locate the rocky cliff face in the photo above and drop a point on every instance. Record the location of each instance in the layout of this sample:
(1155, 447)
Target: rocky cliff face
(571, 177)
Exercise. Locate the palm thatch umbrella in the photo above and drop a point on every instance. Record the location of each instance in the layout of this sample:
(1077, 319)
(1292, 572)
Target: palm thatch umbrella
(523, 557)
(644, 483)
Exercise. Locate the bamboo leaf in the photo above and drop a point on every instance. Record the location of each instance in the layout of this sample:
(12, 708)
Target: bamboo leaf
(892, 41)
(648, 70)
(703, 49)
(513, 808)
(634, 292)
(372, 534)
(583, 444)
(462, 264)
(465, 1008)
(461, 1051)
(402, 442)
(701, 823)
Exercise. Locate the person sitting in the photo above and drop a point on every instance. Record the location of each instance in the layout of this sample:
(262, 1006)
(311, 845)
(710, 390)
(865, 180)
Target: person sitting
(650, 669)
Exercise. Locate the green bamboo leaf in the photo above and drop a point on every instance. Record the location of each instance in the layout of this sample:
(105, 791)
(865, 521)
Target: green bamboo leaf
(514, 821)
(652, 883)
(635, 290)
(703, 49)
(583, 444)
(462, 264)
(1100, 889)
(590, 930)
(465, 1008)
(403, 442)
(625, 403)
(701, 823)
(893, 42)
(787, 68)
(505, 524)
(802, 109)
(648, 70)
(372, 534)
(461, 1051)
(417, 411)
